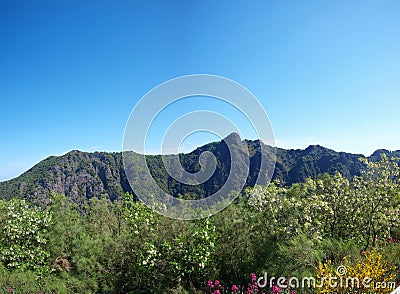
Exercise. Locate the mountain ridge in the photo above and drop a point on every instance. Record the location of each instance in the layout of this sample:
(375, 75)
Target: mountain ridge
(82, 175)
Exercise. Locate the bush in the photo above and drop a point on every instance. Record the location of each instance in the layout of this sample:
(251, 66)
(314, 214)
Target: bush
(124, 247)
(370, 274)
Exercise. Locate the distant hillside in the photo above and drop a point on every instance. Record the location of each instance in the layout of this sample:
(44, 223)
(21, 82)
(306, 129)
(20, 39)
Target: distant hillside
(82, 175)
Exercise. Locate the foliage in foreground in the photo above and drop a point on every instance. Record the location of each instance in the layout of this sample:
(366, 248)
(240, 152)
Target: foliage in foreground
(370, 274)
(124, 247)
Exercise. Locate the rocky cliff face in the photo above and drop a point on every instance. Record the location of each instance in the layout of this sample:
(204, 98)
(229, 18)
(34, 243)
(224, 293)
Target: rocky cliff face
(82, 175)
(79, 175)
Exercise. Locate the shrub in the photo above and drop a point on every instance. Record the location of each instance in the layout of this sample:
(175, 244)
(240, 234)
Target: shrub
(371, 274)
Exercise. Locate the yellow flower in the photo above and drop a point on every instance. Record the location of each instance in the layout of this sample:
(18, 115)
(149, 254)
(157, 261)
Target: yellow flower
(368, 275)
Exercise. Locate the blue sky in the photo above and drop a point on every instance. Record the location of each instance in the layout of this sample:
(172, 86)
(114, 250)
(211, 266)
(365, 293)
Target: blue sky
(326, 72)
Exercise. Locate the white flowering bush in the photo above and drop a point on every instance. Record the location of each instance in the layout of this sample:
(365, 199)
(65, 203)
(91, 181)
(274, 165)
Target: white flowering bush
(23, 236)
(190, 252)
(138, 216)
(364, 209)
(126, 247)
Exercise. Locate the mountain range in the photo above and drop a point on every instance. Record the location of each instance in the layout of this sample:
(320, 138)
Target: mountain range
(83, 175)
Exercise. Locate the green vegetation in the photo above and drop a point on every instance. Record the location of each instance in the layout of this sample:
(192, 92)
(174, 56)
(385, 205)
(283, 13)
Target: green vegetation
(81, 175)
(121, 246)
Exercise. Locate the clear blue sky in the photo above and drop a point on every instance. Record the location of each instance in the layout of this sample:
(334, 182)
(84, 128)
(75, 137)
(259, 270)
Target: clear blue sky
(327, 72)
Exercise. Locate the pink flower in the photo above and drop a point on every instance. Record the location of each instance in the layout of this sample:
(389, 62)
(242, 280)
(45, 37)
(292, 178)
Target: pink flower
(235, 288)
(292, 292)
(253, 277)
(275, 289)
(217, 283)
(217, 292)
(209, 283)
(10, 290)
